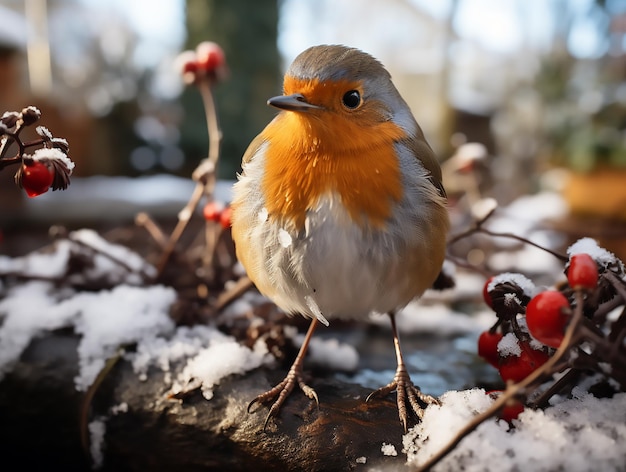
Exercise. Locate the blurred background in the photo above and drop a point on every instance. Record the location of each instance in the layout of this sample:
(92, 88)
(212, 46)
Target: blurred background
(514, 96)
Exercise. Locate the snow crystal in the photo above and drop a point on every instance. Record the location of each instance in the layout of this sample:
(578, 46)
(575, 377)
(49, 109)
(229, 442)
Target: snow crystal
(361, 460)
(599, 254)
(389, 450)
(54, 154)
(121, 408)
(509, 346)
(97, 430)
(162, 352)
(554, 439)
(514, 278)
(43, 132)
(208, 356)
(221, 358)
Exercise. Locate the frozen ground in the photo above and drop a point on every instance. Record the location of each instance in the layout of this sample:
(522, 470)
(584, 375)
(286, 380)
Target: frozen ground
(576, 434)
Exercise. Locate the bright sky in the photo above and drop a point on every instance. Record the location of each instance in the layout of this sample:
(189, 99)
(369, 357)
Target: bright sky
(160, 24)
(499, 26)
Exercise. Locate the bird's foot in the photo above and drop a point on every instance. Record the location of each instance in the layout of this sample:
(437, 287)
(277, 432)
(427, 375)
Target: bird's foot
(280, 392)
(406, 392)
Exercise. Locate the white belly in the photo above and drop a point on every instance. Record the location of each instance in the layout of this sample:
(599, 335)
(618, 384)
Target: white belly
(332, 267)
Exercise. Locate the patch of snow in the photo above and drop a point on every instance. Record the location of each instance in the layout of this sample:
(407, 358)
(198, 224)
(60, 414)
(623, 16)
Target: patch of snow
(597, 253)
(106, 320)
(388, 450)
(221, 358)
(523, 282)
(330, 353)
(97, 430)
(509, 346)
(582, 433)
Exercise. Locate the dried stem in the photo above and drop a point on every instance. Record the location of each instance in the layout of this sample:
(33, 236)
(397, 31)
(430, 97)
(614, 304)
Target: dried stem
(183, 219)
(479, 228)
(205, 175)
(143, 219)
(238, 289)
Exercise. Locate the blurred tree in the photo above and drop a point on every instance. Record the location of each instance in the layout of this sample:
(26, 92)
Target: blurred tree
(584, 106)
(247, 32)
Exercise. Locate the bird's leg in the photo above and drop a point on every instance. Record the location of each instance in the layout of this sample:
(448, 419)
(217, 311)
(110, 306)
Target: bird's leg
(280, 392)
(403, 386)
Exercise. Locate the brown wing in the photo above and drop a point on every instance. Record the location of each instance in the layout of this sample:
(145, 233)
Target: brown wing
(426, 155)
(253, 147)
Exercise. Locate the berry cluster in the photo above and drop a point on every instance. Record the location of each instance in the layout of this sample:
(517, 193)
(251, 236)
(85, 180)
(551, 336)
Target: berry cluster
(207, 61)
(532, 325)
(217, 212)
(47, 167)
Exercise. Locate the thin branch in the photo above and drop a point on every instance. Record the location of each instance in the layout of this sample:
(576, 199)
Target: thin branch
(205, 174)
(183, 219)
(238, 289)
(478, 227)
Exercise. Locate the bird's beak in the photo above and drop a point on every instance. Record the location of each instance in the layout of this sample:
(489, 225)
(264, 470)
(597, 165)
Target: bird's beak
(295, 102)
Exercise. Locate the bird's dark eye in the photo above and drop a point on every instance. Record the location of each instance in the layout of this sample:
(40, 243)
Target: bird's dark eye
(351, 99)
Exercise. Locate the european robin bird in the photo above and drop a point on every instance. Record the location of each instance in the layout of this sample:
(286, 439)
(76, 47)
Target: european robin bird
(339, 210)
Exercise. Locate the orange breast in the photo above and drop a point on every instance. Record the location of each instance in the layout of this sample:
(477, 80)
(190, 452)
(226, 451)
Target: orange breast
(310, 155)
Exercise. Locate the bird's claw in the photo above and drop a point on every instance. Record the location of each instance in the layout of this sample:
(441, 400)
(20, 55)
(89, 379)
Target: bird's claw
(280, 392)
(405, 391)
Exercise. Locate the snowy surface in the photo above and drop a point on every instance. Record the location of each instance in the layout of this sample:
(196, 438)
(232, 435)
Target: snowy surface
(579, 434)
(582, 433)
(109, 319)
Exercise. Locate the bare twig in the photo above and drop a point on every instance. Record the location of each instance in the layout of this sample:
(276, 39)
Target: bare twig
(205, 175)
(238, 289)
(478, 227)
(143, 219)
(183, 219)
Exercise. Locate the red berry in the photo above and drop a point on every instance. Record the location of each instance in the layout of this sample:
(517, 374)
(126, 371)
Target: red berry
(517, 368)
(37, 178)
(225, 217)
(511, 409)
(210, 56)
(547, 315)
(212, 211)
(582, 272)
(486, 295)
(488, 347)
(187, 65)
